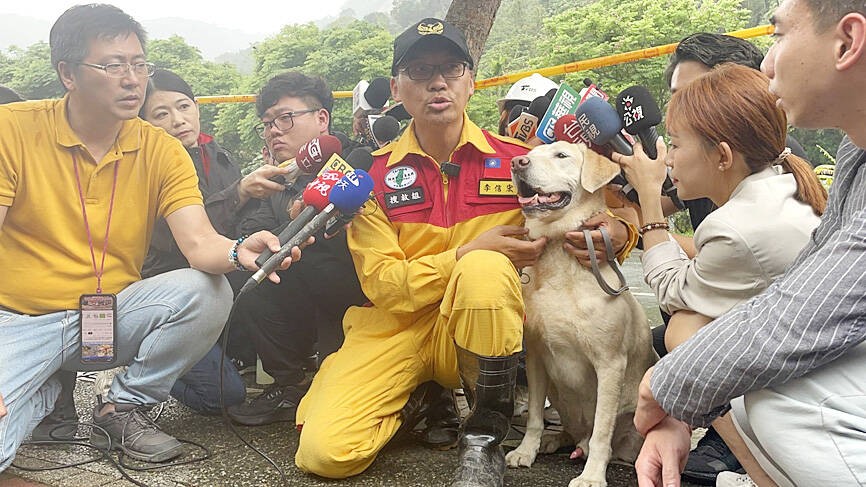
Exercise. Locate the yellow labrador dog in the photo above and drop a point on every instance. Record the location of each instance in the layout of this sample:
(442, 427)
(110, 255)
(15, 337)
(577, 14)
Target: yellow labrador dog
(585, 350)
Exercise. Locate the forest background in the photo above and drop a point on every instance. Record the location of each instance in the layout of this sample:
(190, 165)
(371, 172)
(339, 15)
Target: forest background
(526, 35)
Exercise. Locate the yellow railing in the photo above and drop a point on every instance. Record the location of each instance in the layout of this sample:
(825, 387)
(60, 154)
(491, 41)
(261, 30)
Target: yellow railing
(572, 67)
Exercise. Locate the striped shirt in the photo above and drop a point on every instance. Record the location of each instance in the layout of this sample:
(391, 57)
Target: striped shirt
(807, 318)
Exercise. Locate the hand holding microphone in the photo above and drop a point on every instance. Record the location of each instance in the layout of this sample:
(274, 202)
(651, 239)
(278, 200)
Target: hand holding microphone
(345, 197)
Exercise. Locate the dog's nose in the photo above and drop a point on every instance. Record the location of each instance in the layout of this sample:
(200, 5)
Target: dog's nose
(519, 162)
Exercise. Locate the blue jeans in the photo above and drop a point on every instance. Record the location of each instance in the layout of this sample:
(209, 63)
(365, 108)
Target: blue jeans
(165, 325)
(199, 389)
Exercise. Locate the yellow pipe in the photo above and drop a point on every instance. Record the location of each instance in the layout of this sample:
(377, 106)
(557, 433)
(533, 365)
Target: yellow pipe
(572, 67)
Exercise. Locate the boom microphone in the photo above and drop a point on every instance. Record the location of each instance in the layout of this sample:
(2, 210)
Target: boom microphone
(315, 196)
(313, 155)
(346, 197)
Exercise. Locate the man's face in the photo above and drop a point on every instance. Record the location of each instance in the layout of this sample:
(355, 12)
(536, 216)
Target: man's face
(437, 101)
(284, 144)
(685, 72)
(800, 65)
(106, 97)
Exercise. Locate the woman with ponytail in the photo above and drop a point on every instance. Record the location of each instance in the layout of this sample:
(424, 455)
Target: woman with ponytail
(727, 143)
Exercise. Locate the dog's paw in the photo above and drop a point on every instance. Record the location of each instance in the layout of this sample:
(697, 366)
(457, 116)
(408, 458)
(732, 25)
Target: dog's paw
(586, 482)
(521, 457)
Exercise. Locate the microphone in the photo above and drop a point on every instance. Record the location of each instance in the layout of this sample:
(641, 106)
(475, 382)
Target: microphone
(315, 196)
(360, 158)
(385, 129)
(398, 111)
(378, 93)
(601, 125)
(567, 129)
(313, 155)
(640, 114)
(523, 126)
(564, 101)
(346, 197)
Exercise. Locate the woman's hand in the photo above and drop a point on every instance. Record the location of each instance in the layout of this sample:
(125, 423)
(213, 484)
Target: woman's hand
(645, 174)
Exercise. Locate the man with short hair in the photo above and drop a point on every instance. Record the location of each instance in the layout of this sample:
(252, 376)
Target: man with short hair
(438, 258)
(796, 352)
(306, 309)
(82, 181)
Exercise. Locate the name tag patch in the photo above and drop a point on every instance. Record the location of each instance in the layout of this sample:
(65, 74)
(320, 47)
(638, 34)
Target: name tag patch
(405, 197)
(496, 187)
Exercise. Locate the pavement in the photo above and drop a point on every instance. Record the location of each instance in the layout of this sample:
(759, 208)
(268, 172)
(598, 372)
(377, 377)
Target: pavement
(231, 463)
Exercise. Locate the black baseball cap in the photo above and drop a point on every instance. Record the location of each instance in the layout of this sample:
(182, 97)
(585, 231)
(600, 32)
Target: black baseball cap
(424, 30)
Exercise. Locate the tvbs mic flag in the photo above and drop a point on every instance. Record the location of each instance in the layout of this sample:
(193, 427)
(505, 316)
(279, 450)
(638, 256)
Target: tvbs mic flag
(565, 101)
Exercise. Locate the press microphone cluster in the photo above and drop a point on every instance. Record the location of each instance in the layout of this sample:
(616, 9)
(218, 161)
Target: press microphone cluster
(345, 197)
(523, 121)
(311, 157)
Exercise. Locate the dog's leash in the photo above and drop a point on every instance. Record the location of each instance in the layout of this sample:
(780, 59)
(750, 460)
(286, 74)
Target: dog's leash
(611, 260)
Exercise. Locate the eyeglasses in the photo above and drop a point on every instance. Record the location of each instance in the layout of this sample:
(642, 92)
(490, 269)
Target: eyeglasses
(282, 122)
(424, 72)
(120, 70)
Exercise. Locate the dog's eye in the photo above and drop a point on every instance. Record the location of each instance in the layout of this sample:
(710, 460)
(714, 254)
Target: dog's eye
(561, 155)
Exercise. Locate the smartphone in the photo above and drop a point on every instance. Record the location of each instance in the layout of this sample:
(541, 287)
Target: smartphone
(98, 328)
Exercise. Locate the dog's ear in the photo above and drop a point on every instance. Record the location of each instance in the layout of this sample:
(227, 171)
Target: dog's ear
(597, 170)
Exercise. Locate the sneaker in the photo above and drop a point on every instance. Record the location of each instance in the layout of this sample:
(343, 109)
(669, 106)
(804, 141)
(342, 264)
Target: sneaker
(132, 431)
(710, 457)
(734, 479)
(276, 403)
(242, 366)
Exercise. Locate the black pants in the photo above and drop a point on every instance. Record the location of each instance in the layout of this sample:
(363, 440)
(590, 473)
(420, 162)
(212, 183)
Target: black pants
(303, 314)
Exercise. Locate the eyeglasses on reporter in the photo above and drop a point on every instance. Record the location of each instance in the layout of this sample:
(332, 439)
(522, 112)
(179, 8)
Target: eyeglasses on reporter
(424, 72)
(119, 70)
(283, 122)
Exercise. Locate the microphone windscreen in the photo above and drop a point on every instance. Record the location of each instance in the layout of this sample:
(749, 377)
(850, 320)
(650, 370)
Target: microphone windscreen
(598, 120)
(398, 111)
(353, 189)
(318, 190)
(360, 158)
(378, 92)
(637, 109)
(551, 93)
(315, 153)
(539, 106)
(515, 112)
(343, 138)
(385, 129)
(567, 129)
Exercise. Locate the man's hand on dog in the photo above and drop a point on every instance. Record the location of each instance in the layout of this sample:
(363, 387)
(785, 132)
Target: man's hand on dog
(508, 240)
(575, 243)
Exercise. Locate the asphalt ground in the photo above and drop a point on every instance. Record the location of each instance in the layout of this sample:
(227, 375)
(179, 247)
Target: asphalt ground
(231, 463)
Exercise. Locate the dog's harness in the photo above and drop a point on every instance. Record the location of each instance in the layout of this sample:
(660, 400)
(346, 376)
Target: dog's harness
(611, 260)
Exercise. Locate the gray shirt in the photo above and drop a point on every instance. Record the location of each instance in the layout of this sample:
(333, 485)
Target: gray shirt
(807, 318)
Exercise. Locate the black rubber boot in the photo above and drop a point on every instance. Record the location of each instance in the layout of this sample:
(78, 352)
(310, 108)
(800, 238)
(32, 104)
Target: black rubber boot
(442, 422)
(62, 422)
(489, 386)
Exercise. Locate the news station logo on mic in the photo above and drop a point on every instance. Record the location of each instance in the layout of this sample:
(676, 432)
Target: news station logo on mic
(631, 112)
(564, 102)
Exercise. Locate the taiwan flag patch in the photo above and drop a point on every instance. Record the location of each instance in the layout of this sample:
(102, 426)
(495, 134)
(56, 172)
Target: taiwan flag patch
(497, 168)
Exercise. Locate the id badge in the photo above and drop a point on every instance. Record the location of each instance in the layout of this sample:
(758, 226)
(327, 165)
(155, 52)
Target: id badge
(98, 328)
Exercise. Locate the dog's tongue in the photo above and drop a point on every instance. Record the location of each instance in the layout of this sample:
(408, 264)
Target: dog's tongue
(524, 201)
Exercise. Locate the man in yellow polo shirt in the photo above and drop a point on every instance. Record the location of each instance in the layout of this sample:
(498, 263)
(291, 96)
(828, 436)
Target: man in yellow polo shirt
(82, 181)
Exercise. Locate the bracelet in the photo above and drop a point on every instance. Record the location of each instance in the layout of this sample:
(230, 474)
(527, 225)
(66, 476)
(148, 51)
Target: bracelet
(233, 254)
(654, 226)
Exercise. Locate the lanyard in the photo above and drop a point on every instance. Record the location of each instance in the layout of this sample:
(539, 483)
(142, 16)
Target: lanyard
(87, 224)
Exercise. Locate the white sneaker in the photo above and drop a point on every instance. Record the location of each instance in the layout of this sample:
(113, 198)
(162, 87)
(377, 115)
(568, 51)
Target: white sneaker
(734, 479)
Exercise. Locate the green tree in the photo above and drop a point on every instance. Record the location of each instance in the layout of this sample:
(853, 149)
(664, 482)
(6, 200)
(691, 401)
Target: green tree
(28, 71)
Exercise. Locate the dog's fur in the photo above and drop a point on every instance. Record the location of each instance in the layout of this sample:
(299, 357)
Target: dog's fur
(587, 351)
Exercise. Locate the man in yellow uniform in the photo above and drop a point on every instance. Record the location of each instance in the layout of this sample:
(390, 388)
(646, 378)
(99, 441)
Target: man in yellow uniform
(82, 181)
(438, 258)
